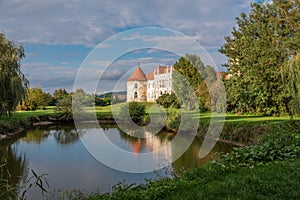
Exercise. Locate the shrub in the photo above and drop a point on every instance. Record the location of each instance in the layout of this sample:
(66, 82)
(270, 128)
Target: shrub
(173, 119)
(278, 145)
(137, 111)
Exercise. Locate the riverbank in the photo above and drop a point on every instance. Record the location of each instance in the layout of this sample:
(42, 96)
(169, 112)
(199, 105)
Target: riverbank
(278, 180)
(269, 170)
(238, 130)
(270, 142)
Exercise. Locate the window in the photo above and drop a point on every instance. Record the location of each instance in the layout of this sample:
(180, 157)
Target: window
(135, 85)
(135, 95)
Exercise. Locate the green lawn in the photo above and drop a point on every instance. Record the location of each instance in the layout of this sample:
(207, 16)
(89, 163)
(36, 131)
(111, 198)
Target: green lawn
(23, 114)
(279, 180)
(204, 117)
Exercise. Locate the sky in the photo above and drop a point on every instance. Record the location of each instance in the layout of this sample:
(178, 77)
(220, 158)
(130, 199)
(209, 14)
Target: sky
(62, 38)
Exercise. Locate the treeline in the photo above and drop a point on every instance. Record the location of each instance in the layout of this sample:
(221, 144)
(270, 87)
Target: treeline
(36, 98)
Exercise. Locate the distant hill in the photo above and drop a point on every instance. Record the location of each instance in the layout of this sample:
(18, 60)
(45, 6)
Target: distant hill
(121, 95)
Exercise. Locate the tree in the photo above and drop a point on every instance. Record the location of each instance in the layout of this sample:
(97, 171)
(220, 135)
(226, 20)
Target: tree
(36, 98)
(258, 52)
(190, 67)
(209, 74)
(204, 95)
(83, 99)
(99, 101)
(64, 108)
(59, 94)
(186, 78)
(108, 98)
(168, 101)
(292, 71)
(13, 83)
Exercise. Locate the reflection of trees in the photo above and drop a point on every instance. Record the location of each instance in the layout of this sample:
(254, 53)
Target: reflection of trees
(106, 126)
(63, 134)
(36, 136)
(15, 170)
(67, 135)
(190, 158)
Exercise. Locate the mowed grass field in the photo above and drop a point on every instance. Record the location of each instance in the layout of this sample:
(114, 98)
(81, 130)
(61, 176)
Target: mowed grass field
(203, 117)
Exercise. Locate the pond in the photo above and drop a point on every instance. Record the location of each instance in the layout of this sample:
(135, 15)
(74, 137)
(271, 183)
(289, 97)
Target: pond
(59, 152)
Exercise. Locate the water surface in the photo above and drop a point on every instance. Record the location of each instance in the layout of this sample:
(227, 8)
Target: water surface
(58, 151)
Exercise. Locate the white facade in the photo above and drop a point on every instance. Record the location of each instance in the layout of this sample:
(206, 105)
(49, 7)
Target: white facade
(150, 91)
(157, 83)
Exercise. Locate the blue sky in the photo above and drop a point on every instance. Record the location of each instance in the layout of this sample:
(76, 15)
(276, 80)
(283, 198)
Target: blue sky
(58, 35)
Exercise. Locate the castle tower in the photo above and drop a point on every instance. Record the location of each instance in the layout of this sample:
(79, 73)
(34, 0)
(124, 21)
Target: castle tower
(137, 86)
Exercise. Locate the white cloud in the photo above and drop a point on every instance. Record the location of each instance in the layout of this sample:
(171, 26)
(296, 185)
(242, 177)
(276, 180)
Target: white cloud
(49, 77)
(89, 22)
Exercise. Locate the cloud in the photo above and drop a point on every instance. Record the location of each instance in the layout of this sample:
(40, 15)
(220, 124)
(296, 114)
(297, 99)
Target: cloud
(49, 77)
(89, 22)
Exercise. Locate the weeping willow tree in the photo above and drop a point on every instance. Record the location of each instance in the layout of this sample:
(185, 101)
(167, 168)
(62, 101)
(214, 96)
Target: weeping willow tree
(292, 82)
(13, 83)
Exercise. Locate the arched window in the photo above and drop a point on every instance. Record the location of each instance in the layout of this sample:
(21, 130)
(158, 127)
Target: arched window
(135, 85)
(135, 95)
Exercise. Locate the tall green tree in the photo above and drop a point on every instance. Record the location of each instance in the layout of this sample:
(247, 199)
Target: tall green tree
(36, 98)
(13, 83)
(292, 71)
(258, 52)
(59, 94)
(190, 67)
(186, 78)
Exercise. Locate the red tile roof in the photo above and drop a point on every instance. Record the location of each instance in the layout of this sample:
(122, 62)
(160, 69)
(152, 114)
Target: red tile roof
(162, 70)
(138, 75)
(150, 76)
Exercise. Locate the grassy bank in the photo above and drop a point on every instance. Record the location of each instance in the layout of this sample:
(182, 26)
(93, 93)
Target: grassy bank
(278, 180)
(22, 119)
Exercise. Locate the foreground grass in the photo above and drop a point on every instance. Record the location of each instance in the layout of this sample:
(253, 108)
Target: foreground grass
(278, 180)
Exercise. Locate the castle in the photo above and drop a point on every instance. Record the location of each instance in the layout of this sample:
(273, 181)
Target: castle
(143, 87)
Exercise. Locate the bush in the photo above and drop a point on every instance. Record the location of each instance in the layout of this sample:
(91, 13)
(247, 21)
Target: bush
(174, 118)
(137, 111)
(279, 145)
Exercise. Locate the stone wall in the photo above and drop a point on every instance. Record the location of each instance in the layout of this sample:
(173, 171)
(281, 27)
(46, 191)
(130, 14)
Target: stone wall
(137, 91)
